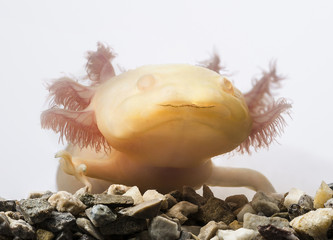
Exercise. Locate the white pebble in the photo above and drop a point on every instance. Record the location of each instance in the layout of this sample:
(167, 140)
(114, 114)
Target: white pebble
(239, 234)
(65, 202)
(135, 193)
(293, 197)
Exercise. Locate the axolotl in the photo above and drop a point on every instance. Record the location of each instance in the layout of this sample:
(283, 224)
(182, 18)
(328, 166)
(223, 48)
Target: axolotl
(158, 126)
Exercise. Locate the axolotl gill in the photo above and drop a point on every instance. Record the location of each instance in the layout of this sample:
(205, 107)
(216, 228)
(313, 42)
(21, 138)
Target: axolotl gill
(158, 126)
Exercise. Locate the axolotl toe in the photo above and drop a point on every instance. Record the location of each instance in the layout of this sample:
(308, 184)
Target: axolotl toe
(158, 126)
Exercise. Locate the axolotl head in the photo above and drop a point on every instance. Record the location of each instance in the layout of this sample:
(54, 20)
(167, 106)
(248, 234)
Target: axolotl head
(168, 111)
(175, 115)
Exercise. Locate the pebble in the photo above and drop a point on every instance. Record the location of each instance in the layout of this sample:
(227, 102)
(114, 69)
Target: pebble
(59, 221)
(252, 221)
(306, 202)
(177, 195)
(192, 229)
(153, 194)
(293, 197)
(65, 235)
(100, 215)
(135, 193)
(190, 195)
(272, 232)
(42, 234)
(208, 231)
(329, 203)
(181, 210)
(240, 234)
(235, 225)
(44, 194)
(117, 189)
(314, 223)
(107, 199)
(265, 204)
(88, 227)
(171, 200)
(207, 193)
(21, 229)
(65, 202)
(124, 226)
(34, 210)
(144, 210)
(295, 210)
(215, 210)
(247, 208)
(236, 201)
(163, 228)
(7, 205)
(4, 225)
(322, 195)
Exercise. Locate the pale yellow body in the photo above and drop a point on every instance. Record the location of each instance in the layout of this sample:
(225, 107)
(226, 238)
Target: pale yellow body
(163, 123)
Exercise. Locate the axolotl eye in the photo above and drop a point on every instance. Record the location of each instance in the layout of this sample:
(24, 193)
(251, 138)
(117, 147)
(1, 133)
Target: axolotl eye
(146, 82)
(227, 86)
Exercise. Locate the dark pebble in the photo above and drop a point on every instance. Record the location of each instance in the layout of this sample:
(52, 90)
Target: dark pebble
(207, 193)
(236, 201)
(65, 235)
(272, 232)
(107, 199)
(4, 225)
(190, 195)
(215, 210)
(295, 210)
(177, 195)
(7, 205)
(34, 210)
(59, 221)
(124, 226)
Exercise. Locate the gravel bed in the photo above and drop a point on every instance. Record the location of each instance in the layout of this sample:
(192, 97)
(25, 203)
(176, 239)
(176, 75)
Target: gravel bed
(123, 212)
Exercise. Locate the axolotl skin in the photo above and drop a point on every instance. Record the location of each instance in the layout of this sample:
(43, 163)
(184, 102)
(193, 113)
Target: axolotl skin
(158, 126)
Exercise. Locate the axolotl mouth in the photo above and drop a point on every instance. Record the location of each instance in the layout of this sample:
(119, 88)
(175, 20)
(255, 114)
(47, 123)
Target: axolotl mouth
(186, 105)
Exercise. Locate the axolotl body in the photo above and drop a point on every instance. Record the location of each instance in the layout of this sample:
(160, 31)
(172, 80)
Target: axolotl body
(158, 126)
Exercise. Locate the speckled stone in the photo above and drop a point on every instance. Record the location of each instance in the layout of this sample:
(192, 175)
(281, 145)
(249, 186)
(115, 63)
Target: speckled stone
(272, 232)
(329, 203)
(7, 205)
(265, 204)
(135, 193)
(65, 202)
(181, 210)
(59, 221)
(88, 227)
(21, 229)
(314, 223)
(295, 210)
(215, 210)
(306, 203)
(252, 221)
(42, 234)
(124, 225)
(144, 210)
(4, 225)
(107, 199)
(240, 234)
(322, 195)
(100, 215)
(34, 210)
(163, 228)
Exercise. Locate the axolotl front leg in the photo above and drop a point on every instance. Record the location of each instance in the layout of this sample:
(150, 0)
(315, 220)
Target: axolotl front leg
(115, 168)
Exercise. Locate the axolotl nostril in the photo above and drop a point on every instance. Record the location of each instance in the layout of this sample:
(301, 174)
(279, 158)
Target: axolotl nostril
(158, 126)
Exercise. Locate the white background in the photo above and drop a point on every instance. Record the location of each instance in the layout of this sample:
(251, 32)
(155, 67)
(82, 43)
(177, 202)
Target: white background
(43, 40)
